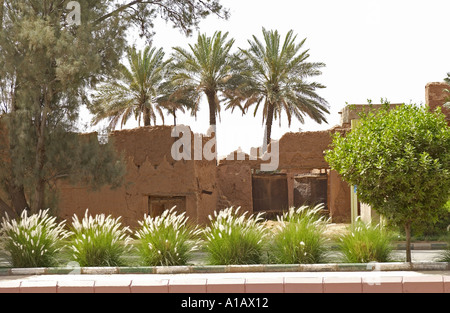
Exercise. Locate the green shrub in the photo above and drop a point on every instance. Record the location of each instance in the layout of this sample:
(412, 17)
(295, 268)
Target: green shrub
(99, 241)
(167, 240)
(33, 241)
(399, 159)
(366, 243)
(234, 238)
(445, 255)
(300, 237)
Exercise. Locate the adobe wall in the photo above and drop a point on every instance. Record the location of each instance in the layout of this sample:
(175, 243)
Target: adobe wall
(299, 153)
(151, 171)
(436, 96)
(339, 201)
(235, 183)
(304, 150)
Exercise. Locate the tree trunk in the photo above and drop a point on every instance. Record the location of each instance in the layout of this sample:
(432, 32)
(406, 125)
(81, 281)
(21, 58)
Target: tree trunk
(408, 241)
(1, 13)
(16, 191)
(39, 190)
(18, 200)
(146, 116)
(268, 131)
(5, 208)
(212, 108)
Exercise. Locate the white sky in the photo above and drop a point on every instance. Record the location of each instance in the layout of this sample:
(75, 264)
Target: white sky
(372, 49)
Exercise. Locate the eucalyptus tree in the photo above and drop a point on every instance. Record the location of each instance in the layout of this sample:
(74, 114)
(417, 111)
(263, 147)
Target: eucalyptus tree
(51, 53)
(274, 75)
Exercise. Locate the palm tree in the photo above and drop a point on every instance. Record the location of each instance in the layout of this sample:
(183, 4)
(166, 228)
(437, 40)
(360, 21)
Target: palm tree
(136, 92)
(275, 75)
(204, 70)
(175, 98)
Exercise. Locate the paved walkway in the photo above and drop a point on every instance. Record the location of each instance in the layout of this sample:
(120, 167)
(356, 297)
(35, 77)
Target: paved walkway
(423, 275)
(278, 282)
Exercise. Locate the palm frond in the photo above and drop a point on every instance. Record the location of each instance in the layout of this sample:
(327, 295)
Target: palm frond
(275, 73)
(136, 90)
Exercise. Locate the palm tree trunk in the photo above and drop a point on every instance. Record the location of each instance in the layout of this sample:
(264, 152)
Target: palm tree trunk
(268, 132)
(146, 116)
(212, 108)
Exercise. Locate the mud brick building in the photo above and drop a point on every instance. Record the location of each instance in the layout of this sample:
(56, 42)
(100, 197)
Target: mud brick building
(155, 181)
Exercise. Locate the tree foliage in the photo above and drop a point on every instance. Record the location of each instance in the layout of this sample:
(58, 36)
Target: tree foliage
(400, 162)
(135, 92)
(274, 76)
(47, 65)
(203, 70)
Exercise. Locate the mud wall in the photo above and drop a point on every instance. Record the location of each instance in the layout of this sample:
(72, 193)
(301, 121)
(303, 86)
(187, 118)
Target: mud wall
(436, 96)
(235, 183)
(299, 153)
(339, 201)
(151, 172)
(304, 150)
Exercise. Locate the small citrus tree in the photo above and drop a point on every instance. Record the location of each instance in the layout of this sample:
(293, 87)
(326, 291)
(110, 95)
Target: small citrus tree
(400, 161)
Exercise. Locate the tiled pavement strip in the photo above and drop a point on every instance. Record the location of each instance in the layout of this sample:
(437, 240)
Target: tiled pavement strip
(238, 282)
(420, 276)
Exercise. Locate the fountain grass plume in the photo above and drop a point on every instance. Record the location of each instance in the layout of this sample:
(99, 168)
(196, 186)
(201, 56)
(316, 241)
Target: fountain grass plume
(167, 240)
(33, 240)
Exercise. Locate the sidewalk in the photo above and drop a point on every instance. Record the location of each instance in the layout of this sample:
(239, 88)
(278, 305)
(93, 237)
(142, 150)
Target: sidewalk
(283, 282)
(423, 275)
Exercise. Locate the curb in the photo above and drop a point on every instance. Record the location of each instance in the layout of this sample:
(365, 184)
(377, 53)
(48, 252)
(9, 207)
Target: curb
(422, 246)
(258, 268)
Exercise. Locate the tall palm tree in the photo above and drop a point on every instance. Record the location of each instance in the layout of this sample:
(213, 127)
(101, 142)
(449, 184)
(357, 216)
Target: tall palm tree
(135, 93)
(203, 69)
(275, 75)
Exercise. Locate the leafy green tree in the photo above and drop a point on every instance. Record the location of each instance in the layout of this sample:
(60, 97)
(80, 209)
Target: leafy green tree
(47, 63)
(274, 74)
(136, 92)
(203, 70)
(400, 161)
(447, 80)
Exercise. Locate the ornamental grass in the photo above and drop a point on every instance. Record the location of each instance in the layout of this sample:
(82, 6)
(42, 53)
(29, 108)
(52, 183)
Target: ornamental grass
(99, 241)
(167, 240)
(235, 238)
(366, 243)
(300, 239)
(33, 240)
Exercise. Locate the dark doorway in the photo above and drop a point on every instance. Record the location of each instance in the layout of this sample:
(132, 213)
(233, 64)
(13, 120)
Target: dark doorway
(310, 189)
(158, 204)
(270, 193)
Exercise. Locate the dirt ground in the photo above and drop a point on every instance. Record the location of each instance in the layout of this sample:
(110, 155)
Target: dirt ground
(333, 229)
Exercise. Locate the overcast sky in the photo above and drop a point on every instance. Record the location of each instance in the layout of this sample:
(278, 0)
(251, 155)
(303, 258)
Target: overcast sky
(372, 49)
